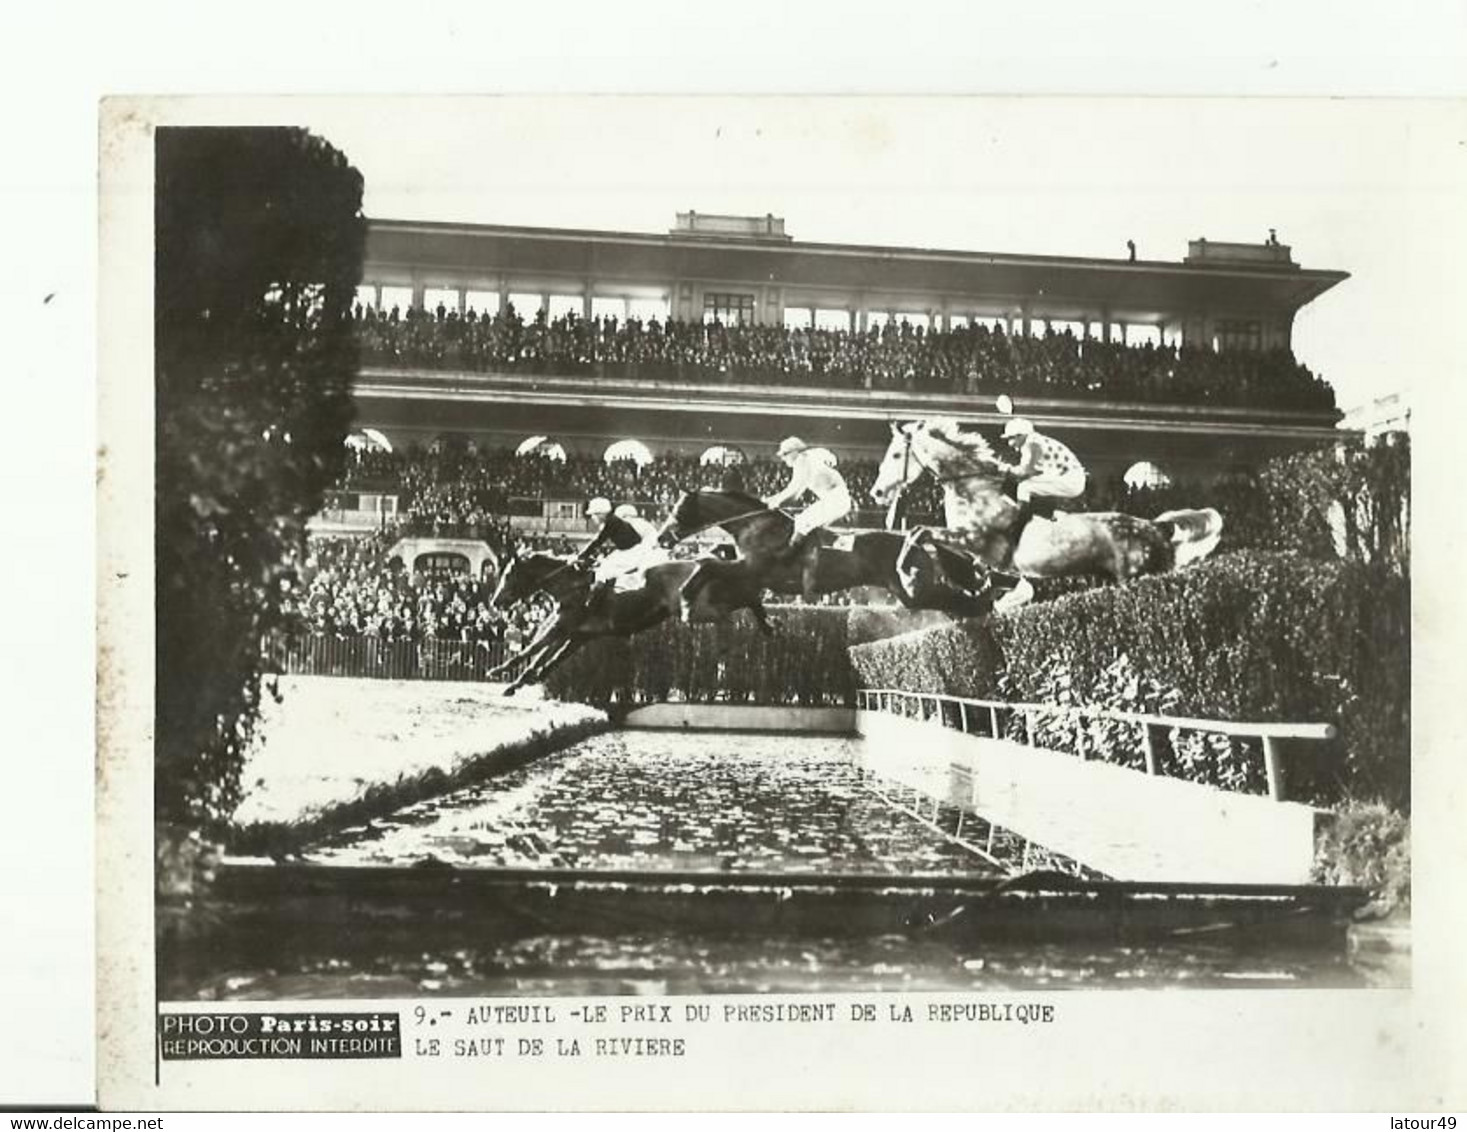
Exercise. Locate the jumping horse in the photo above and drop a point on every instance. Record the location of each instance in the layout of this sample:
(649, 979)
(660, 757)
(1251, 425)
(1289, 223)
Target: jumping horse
(568, 584)
(983, 518)
(821, 563)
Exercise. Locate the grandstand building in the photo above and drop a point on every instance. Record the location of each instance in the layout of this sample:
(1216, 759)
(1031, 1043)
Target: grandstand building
(748, 271)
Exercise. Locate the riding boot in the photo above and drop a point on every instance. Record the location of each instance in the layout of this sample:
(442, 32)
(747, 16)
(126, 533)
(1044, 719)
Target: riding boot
(1043, 506)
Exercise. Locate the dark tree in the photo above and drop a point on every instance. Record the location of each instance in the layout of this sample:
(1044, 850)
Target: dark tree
(259, 252)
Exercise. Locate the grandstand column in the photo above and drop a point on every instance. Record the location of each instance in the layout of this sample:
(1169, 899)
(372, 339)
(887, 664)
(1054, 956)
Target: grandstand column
(418, 290)
(503, 285)
(1024, 318)
(586, 287)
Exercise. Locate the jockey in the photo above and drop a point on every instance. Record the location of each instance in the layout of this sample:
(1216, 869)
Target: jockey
(1047, 471)
(813, 471)
(634, 547)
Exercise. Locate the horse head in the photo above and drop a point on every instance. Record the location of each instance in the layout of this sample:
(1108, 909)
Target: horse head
(682, 520)
(898, 469)
(526, 575)
(696, 511)
(939, 446)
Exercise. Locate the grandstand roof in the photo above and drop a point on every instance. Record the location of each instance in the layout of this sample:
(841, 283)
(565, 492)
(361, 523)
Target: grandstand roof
(1054, 286)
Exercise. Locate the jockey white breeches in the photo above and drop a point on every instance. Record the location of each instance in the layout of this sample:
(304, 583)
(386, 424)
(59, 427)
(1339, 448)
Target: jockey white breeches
(827, 509)
(1053, 487)
(625, 567)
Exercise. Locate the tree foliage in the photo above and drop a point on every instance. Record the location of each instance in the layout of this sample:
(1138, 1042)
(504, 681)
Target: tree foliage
(259, 238)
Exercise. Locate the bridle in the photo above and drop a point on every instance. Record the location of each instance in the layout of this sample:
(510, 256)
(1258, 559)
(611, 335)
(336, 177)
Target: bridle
(909, 455)
(542, 586)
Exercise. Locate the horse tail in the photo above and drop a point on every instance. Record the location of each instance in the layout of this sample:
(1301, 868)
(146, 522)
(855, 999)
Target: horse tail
(1193, 533)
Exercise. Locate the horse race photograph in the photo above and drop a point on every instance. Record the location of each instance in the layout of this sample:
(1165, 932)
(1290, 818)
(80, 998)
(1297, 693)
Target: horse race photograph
(635, 549)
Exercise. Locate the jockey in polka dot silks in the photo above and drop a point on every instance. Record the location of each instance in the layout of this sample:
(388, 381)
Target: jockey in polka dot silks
(1047, 471)
(812, 470)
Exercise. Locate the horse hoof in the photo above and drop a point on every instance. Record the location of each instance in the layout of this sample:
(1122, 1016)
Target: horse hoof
(511, 690)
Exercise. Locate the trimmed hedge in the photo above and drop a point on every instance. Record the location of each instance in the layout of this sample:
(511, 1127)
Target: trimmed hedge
(805, 662)
(1248, 636)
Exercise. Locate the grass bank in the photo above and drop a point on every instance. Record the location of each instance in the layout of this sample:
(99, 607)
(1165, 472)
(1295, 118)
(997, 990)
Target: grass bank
(337, 752)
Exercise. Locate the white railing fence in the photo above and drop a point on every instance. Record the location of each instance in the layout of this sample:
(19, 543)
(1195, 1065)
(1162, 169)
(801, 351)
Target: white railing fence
(994, 719)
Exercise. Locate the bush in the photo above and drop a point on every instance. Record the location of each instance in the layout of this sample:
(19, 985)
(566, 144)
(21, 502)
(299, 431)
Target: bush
(259, 239)
(805, 662)
(1368, 844)
(1346, 500)
(1249, 636)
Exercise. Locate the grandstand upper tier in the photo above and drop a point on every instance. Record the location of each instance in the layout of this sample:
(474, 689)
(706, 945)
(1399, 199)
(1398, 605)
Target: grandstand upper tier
(727, 330)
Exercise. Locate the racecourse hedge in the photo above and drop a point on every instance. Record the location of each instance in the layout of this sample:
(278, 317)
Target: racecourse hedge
(805, 662)
(1248, 636)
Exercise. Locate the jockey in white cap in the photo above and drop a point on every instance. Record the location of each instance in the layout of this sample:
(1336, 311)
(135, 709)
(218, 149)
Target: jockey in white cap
(634, 547)
(1047, 470)
(813, 470)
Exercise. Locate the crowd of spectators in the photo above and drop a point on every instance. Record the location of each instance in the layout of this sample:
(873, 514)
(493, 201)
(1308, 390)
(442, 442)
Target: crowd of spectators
(348, 587)
(464, 490)
(972, 360)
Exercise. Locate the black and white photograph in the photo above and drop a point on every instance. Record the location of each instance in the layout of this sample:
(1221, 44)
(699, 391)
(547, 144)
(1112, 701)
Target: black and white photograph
(662, 581)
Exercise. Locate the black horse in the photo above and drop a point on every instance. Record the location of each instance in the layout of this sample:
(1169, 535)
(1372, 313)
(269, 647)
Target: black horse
(568, 583)
(820, 564)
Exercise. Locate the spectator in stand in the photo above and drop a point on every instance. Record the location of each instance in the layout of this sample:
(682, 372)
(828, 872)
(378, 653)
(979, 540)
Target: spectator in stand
(968, 360)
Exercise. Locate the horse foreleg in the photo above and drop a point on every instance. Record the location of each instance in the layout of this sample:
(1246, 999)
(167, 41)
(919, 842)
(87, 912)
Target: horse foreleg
(551, 662)
(541, 636)
(543, 646)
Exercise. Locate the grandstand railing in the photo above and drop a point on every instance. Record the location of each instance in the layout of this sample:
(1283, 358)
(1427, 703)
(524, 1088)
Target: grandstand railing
(381, 659)
(991, 719)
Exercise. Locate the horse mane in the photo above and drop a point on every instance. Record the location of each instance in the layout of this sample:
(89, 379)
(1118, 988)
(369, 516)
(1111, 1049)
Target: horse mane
(947, 430)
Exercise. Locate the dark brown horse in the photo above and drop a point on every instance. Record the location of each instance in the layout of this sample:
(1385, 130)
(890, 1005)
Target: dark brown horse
(568, 584)
(821, 563)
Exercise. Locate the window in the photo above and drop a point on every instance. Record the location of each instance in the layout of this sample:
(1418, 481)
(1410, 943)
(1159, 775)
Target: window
(398, 297)
(913, 319)
(875, 320)
(482, 302)
(609, 308)
(1145, 475)
(1239, 334)
(648, 309)
(525, 304)
(729, 309)
(723, 455)
(562, 305)
(1060, 325)
(1143, 335)
(367, 295)
(633, 450)
(992, 322)
(798, 318)
(434, 297)
(957, 322)
(541, 446)
(441, 564)
(826, 319)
